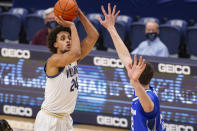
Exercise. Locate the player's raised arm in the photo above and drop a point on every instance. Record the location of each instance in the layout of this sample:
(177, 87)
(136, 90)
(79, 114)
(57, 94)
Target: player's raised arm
(92, 35)
(109, 23)
(134, 72)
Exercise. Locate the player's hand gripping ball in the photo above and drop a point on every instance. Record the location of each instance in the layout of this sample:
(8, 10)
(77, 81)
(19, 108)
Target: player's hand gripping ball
(67, 9)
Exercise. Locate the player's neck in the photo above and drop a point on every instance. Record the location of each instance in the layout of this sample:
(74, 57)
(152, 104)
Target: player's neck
(146, 86)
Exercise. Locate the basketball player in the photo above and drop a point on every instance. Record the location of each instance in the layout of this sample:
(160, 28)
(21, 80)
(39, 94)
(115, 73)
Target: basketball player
(145, 110)
(62, 74)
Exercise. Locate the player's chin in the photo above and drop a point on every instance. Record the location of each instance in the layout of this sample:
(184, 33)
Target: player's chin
(64, 51)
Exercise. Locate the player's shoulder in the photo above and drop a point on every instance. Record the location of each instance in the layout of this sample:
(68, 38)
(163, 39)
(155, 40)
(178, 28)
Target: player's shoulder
(152, 93)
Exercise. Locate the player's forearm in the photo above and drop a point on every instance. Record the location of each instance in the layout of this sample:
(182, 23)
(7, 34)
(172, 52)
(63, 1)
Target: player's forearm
(122, 50)
(75, 47)
(144, 99)
(90, 29)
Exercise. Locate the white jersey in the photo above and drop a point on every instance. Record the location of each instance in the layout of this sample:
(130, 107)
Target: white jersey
(61, 90)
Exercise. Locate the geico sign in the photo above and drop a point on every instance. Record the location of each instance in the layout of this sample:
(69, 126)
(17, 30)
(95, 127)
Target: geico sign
(15, 110)
(177, 69)
(112, 121)
(108, 62)
(174, 127)
(16, 53)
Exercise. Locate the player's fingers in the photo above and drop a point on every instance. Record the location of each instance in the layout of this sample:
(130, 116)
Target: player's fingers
(114, 10)
(58, 20)
(140, 61)
(135, 60)
(129, 66)
(109, 9)
(117, 13)
(142, 64)
(99, 19)
(143, 67)
(61, 18)
(103, 10)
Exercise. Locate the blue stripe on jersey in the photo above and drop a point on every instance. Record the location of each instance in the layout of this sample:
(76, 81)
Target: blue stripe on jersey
(142, 121)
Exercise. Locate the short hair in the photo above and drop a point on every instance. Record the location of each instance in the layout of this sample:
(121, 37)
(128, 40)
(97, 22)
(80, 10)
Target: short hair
(48, 11)
(53, 36)
(147, 74)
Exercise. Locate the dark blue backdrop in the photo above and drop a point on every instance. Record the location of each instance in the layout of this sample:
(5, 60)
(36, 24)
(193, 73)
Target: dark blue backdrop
(181, 9)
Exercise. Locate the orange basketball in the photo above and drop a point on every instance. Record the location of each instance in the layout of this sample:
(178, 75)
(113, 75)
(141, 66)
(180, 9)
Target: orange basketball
(68, 9)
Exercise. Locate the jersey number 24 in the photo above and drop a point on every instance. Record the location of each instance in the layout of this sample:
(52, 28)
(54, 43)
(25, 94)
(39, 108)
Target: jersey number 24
(74, 84)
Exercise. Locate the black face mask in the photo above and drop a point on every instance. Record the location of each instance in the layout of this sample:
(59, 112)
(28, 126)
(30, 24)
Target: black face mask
(51, 24)
(151, 36)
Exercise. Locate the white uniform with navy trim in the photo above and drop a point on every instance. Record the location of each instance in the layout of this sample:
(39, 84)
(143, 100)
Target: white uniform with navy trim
(60, 99)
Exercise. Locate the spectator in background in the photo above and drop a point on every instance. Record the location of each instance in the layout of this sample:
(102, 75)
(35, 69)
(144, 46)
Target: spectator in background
(40, 37)
(153, 45)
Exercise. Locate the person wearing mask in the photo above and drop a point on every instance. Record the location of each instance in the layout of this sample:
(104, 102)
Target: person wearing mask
(40, 37)
(152, 46)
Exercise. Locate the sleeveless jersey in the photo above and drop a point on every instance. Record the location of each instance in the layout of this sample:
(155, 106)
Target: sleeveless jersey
(142, 121)
(61, 90)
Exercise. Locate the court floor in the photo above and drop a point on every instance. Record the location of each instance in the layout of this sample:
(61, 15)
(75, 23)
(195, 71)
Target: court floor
(26, 124)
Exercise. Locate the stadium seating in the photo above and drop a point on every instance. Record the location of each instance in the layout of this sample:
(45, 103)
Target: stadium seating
(171, 34)
(92, 17)
(191, 39)
(122, 24)
(137, 30)
(81, 31)
(12, 24)
(33, 23)
(0, 22)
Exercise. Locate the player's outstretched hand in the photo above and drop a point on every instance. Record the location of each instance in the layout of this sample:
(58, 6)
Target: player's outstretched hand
(135, 70)
(63, 22)
(110, 17)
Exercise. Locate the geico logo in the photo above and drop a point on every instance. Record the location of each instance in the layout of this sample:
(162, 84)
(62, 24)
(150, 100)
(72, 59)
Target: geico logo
(177, 69)
(17, 53)
(174, 127)
(108, 62)
(112, 121)
(14, 110)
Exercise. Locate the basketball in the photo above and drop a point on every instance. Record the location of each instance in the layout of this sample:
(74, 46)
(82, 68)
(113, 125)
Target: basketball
(68, 9)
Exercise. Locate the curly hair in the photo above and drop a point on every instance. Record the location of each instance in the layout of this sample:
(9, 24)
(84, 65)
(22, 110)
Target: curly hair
(147, 74)
(53, 36)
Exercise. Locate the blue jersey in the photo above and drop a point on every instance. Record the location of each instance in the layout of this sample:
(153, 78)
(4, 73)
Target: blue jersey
(142, 121)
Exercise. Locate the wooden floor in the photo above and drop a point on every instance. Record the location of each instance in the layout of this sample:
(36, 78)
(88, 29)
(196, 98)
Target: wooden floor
(26, 124)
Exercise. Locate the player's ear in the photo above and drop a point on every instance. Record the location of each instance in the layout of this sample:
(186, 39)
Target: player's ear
(55, 44)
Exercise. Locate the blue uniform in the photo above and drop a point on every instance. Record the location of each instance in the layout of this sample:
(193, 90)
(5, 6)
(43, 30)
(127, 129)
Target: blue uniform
(142, 121)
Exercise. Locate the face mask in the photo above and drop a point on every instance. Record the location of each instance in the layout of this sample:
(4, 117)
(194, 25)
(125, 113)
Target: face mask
(51, 24)
(151, 36)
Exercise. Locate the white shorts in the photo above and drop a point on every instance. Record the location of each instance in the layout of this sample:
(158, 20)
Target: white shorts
(46, 122)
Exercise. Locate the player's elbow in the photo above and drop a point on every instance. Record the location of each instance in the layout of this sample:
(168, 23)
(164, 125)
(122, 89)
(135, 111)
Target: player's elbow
(94, 36)
(76, 54)
(149, 108)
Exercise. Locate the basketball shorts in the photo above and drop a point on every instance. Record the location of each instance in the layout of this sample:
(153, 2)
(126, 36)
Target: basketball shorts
(46, 121)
